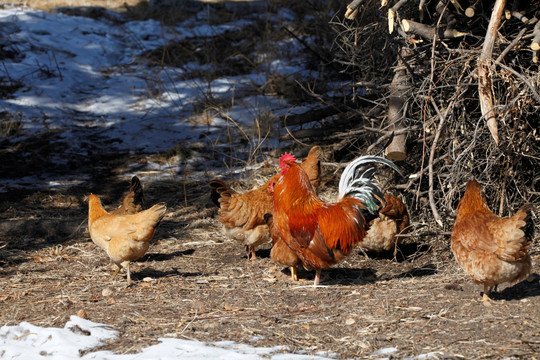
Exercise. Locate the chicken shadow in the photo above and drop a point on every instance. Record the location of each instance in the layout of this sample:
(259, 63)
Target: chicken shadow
(426, 270)
(403, 252)
(159, 274)
(519, 291)
(259, 253)
(166, 256)
(340, 276)
(11, 261)
(263, 253)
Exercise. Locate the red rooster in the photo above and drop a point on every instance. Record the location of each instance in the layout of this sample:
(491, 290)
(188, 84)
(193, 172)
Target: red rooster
(322, 234)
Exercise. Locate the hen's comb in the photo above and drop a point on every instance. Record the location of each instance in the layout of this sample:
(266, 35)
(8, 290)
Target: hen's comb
(286, 157)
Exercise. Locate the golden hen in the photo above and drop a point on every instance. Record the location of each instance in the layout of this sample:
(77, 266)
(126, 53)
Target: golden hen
(281, 253)
(125, 238)
(320, 233)
(242, 215)
(133, 202)
(491, 249)
(393, 219)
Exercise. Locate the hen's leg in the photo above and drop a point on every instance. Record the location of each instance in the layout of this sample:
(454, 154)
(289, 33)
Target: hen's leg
(294, 276)
(486, 293)
(115, 273)
(253, 255)
(317, 278)
(250, 252)
(128, 274)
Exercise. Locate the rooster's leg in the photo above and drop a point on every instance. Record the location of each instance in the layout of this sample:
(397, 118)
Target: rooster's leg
(294, 276)
(317, 277)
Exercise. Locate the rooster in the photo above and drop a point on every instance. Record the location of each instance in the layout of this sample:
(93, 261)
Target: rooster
(242, 215)
(393, 219)
(322, 234)
(125, 238)
(491, 249)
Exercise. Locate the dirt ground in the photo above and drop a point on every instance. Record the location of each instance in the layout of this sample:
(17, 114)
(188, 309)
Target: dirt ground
(195, 283)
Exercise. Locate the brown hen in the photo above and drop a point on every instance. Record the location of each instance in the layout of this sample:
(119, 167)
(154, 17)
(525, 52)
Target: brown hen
(281, 253)
(125, 238)
(393, 219)
(491, 249)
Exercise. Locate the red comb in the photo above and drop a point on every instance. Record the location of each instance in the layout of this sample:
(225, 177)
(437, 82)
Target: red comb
(286, 157)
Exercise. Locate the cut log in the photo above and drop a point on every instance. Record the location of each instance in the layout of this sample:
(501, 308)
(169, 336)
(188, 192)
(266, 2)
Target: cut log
(521, 17)
(391, 20)
(485, 92)
(429, 32)
(397, 150)
(535, 45)
(470, 11)
(392, 14)
(352, 9)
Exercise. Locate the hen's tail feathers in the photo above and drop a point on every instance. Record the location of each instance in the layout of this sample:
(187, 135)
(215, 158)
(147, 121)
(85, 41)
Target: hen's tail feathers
(158, 211)
(357, 181)
(528, 229)
(137, 191)
(218, 189)
(268, 219)
(312, 166)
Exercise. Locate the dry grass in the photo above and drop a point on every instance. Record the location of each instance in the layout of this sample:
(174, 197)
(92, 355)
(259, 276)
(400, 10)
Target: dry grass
(196, 284)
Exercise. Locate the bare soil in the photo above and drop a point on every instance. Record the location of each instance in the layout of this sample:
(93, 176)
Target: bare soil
(195, 283)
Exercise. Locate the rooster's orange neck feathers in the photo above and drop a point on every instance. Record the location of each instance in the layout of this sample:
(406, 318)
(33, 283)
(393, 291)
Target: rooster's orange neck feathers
(296, 191)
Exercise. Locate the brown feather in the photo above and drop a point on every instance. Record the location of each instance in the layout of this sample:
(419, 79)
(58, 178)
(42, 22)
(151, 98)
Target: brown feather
(133, 201)
(123, 237)
(393, 219)
(491, 249)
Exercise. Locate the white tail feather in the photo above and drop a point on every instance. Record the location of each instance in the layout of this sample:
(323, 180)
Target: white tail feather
(357, 180)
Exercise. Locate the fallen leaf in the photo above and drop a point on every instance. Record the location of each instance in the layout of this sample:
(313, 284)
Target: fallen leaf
(82, 314)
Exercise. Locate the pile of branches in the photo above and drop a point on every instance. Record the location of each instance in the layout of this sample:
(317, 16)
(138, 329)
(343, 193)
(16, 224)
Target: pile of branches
(458, 96)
